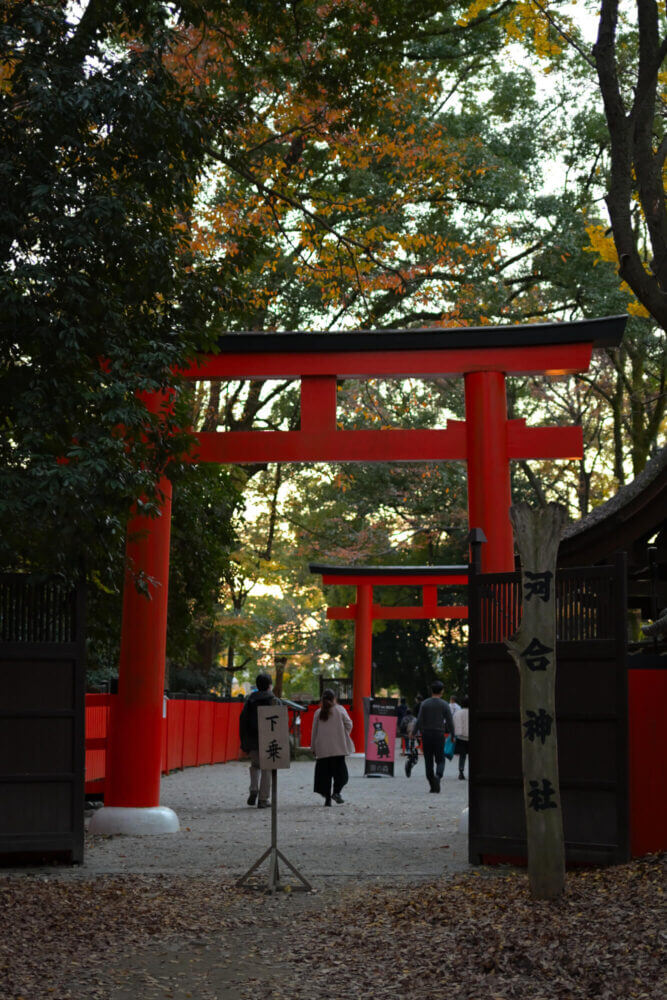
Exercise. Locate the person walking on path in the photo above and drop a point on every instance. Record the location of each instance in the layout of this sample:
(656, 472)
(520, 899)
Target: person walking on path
(401, 710)
(330, 742)
(260, 780)
(405, 730)
(461, 734)
(433, 721)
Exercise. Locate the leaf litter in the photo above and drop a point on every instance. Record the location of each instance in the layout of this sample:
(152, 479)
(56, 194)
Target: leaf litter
(472, 936)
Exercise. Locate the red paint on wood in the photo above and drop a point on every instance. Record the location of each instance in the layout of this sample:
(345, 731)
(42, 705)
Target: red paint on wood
(307, 725)
(318, 404)
(233, 739)
(543, 442)
(205, 737)
(135, 739)
(647, 710)
(96, 743)
(363, 653)
(388, 445)
(220, 717)
(381, 579)
(97, 711)
(489, 494)
(430, 596)
(381, 612)
(190, 733)
(165, 745)
(175, 723)
(524, 360)
(391, 445)
(229, 733)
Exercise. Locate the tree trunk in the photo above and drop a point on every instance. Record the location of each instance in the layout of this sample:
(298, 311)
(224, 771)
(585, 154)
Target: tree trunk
(533, 648)
(279, 663)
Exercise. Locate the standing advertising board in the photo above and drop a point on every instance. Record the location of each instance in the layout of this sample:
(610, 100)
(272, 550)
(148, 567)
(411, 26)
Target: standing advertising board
(380, 736)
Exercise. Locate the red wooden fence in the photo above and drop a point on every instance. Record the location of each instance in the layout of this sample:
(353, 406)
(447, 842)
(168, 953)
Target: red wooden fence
(97, 726)
(194, 732)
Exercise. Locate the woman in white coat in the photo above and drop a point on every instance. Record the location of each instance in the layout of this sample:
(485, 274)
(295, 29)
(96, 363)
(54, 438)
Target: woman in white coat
(461, 734)
(330, 742)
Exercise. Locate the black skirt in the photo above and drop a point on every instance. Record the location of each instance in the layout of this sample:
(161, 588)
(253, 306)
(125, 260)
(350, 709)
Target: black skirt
(461, 746)
(328, 770)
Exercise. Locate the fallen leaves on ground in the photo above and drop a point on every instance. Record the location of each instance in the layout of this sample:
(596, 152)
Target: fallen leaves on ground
(481, 936)
(476, 936)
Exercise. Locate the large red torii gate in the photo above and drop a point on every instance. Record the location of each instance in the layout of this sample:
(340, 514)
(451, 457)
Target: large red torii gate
(487, 440)
(363, 613)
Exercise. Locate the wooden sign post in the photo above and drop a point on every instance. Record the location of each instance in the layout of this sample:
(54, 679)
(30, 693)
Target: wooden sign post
(533, 648)
(274, 755)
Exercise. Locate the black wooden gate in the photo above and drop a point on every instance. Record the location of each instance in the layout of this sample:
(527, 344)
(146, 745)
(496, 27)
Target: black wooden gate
(591, 712)
(42, 693)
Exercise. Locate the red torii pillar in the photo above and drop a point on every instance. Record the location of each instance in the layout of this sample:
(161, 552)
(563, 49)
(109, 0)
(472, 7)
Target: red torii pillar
(364, 613)
(134, 747)
(486, 440)
(489, 489)
(363, 661)
(134, 750)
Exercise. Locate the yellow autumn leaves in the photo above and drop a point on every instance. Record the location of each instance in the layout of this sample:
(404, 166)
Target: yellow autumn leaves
(603, 245)
(523, 20)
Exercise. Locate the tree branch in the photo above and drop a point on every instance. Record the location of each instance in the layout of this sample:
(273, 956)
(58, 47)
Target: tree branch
(561, 31)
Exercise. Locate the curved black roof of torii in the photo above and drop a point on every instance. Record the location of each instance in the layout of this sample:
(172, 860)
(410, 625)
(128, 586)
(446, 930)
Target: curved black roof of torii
(402, 570)
(607, 331)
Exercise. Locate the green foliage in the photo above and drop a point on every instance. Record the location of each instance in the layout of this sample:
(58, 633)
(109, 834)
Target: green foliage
(100, 151)
(170, 172)
(201, 542)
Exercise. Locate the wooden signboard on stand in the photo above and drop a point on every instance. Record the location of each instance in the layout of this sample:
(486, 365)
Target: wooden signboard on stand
(274, 755)
(273, 737)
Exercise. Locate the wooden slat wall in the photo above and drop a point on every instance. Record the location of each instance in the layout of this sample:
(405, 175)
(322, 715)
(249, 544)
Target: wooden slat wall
(591, 712)
(41, 718)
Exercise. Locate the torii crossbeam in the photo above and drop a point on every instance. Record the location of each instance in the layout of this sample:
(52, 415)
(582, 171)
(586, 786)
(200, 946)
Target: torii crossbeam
(486, 440)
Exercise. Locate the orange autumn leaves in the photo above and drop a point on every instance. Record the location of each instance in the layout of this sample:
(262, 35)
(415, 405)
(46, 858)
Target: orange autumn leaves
(304, 198)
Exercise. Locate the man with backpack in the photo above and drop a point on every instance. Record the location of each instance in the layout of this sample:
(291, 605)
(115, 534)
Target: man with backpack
(260, 780)
(433, 721)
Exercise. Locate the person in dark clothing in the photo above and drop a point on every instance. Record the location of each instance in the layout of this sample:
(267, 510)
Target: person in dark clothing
(418, 704)
(401, 709)
(260, 781)
(433, 721)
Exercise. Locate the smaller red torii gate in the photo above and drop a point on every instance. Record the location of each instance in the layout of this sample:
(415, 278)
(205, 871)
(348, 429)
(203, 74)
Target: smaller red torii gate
(364, 613)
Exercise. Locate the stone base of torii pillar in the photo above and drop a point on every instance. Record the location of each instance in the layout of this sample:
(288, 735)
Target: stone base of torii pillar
(136, 821)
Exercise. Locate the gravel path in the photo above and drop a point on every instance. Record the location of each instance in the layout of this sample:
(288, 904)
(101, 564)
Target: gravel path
(388, 828)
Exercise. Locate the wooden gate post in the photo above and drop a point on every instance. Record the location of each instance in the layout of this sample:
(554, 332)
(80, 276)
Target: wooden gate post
(533, 648)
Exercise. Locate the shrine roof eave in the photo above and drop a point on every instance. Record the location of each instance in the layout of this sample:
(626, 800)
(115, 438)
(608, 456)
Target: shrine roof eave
(625, 522)
(605, 331)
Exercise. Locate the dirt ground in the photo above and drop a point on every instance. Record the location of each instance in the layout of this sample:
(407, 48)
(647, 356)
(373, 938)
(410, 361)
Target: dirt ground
(395, 911)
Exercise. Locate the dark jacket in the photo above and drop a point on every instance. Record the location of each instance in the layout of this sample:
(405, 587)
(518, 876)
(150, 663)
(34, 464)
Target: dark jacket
(248, 719)
(435, 715)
